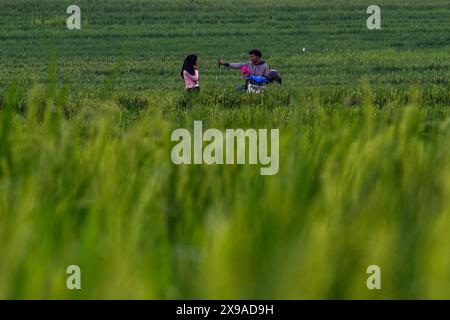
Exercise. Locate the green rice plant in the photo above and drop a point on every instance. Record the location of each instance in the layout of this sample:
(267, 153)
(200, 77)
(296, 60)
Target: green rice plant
(86, 176)
(356, 187)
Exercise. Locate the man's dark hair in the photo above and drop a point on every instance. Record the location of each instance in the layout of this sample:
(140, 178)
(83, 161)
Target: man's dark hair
(256, 52)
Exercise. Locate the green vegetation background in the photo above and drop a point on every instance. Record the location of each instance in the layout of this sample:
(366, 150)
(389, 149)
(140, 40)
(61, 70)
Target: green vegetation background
(86, 176)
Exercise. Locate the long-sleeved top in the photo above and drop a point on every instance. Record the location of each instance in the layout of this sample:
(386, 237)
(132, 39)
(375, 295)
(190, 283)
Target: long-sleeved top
(261, 69)
(191, 81)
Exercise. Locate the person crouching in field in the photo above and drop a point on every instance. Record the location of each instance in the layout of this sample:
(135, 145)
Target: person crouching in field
(190, 74)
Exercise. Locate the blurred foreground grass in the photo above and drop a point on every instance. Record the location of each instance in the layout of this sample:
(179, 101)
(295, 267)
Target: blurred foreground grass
(359, 184)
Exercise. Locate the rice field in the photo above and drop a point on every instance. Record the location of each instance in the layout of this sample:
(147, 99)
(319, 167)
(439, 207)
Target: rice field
(86, 176)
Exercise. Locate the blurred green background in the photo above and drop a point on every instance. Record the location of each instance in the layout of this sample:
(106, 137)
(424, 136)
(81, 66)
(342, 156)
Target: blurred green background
(86, 176)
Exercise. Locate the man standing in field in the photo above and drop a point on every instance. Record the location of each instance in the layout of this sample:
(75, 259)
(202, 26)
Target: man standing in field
(257, 66)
